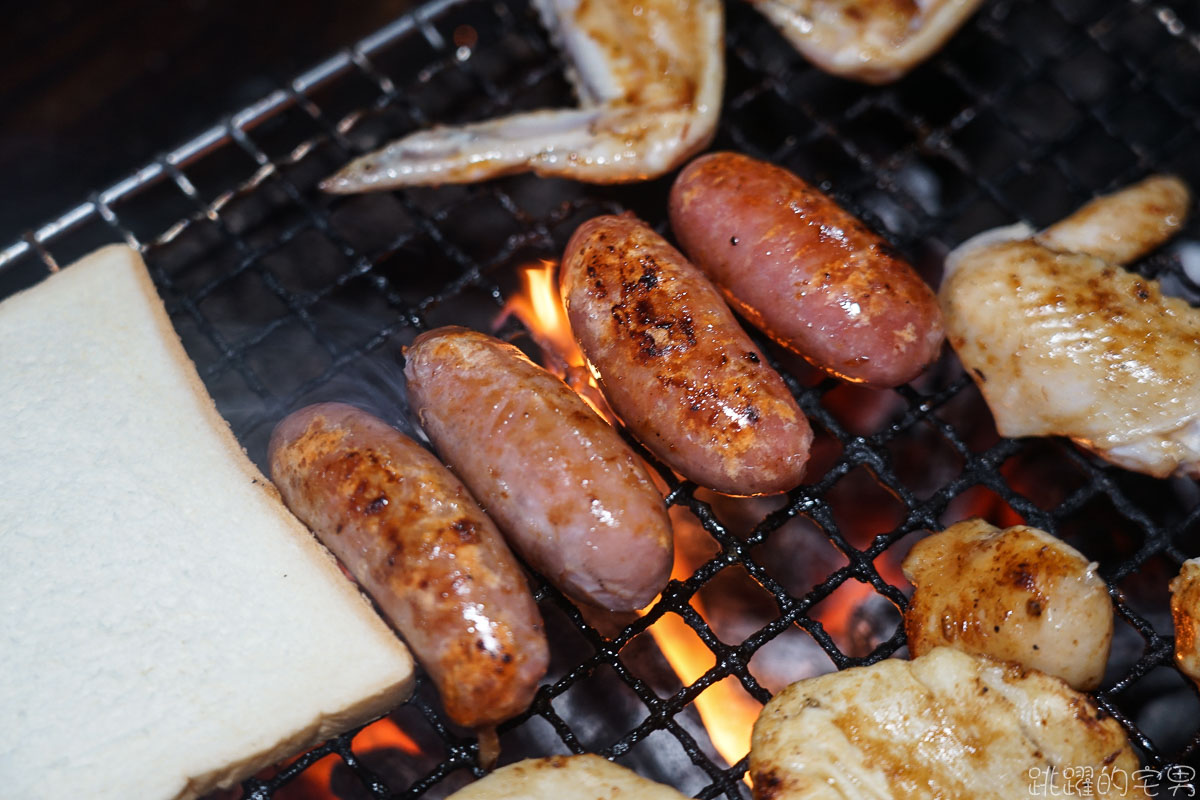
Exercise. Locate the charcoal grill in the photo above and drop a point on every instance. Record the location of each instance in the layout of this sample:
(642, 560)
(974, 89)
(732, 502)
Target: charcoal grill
(284, 296)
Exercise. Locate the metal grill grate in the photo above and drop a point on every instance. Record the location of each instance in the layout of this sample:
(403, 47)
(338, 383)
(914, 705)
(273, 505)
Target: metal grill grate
(284, 296)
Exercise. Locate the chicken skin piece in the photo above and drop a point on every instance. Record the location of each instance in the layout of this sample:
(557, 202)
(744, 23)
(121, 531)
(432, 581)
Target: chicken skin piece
(649, 76)
(582, 777)
(1017, 595)
(875, 41)
(945, 725)
(1062, 341)
(1185, 610)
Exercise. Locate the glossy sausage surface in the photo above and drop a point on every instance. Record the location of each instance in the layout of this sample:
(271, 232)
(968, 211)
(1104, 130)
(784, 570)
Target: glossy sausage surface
(570, 495)
(416, 541)
(674, 363)
(805, 271)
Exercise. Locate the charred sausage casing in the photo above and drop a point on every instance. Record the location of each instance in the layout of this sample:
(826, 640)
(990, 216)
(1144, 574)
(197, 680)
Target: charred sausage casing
(806, 272)
(570, 495)
(413, 537)
(674, 363)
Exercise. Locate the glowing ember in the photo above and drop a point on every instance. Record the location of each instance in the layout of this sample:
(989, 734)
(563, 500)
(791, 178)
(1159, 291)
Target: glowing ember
(837, 611)
(314, 782)
(386, 733)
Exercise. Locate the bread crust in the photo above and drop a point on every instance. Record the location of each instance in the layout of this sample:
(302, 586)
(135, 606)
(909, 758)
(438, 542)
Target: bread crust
(238, 556)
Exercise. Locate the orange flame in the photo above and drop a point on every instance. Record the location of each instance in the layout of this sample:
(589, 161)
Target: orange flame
(314, 782)
(836, 612)
(727, 711)
(540, 309)
(386, 734)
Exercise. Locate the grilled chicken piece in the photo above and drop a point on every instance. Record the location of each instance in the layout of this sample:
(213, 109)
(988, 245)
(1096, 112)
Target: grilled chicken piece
(1016, 595)
(649, 76)
(1185, 609)
(876, 41)
(1124, 226)
(945, 725)
(1062, 341)
(585, 777)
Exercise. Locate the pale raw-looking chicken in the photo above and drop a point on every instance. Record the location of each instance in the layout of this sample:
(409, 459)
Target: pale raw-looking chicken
(582, 777)
(649, 76)
(945, 725)
(1062, 341)
(875, 41)
(1017, 594)
(1185, 610)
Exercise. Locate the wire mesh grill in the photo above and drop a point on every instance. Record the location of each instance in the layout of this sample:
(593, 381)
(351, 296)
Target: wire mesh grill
(285, 296)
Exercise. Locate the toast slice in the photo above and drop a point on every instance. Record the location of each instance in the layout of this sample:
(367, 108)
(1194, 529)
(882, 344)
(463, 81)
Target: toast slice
(166, 626)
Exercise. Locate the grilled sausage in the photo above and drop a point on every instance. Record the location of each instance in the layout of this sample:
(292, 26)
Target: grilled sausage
(569, 494)
(804, 271)
(416, 541)
(675, 365)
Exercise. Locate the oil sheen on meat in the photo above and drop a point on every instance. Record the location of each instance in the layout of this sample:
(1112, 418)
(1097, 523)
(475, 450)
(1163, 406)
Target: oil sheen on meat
(1017, 594)
(1185, 611)
(805, 271)
(876, 41)
(570, 495)
(675, 365)
(945, 725)
(649, 76)
(422, 549)
(1062, 341)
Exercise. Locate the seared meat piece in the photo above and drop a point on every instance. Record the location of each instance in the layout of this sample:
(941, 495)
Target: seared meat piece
(649, 75)
(876, 41)
(583, 777)
(568, 493)
(1062, 341)
(946, 725)
(1016, 595)
(1185, 609)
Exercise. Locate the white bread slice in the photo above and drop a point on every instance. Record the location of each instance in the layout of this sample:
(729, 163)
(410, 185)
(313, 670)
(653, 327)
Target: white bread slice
(166, 626)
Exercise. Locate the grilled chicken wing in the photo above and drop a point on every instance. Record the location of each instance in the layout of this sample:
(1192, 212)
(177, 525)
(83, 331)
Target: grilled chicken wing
(1062, 341)
(1185, 609)
(875, 41)
(1016, 595)
(945, 725)
(649, 76)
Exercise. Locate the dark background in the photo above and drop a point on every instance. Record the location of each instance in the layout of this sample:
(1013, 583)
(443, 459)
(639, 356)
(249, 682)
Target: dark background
(90, 92)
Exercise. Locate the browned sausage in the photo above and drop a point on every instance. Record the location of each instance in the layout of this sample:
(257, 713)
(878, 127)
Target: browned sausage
(416, 541)
(674, 363)
(804, 271)
(568, 492)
